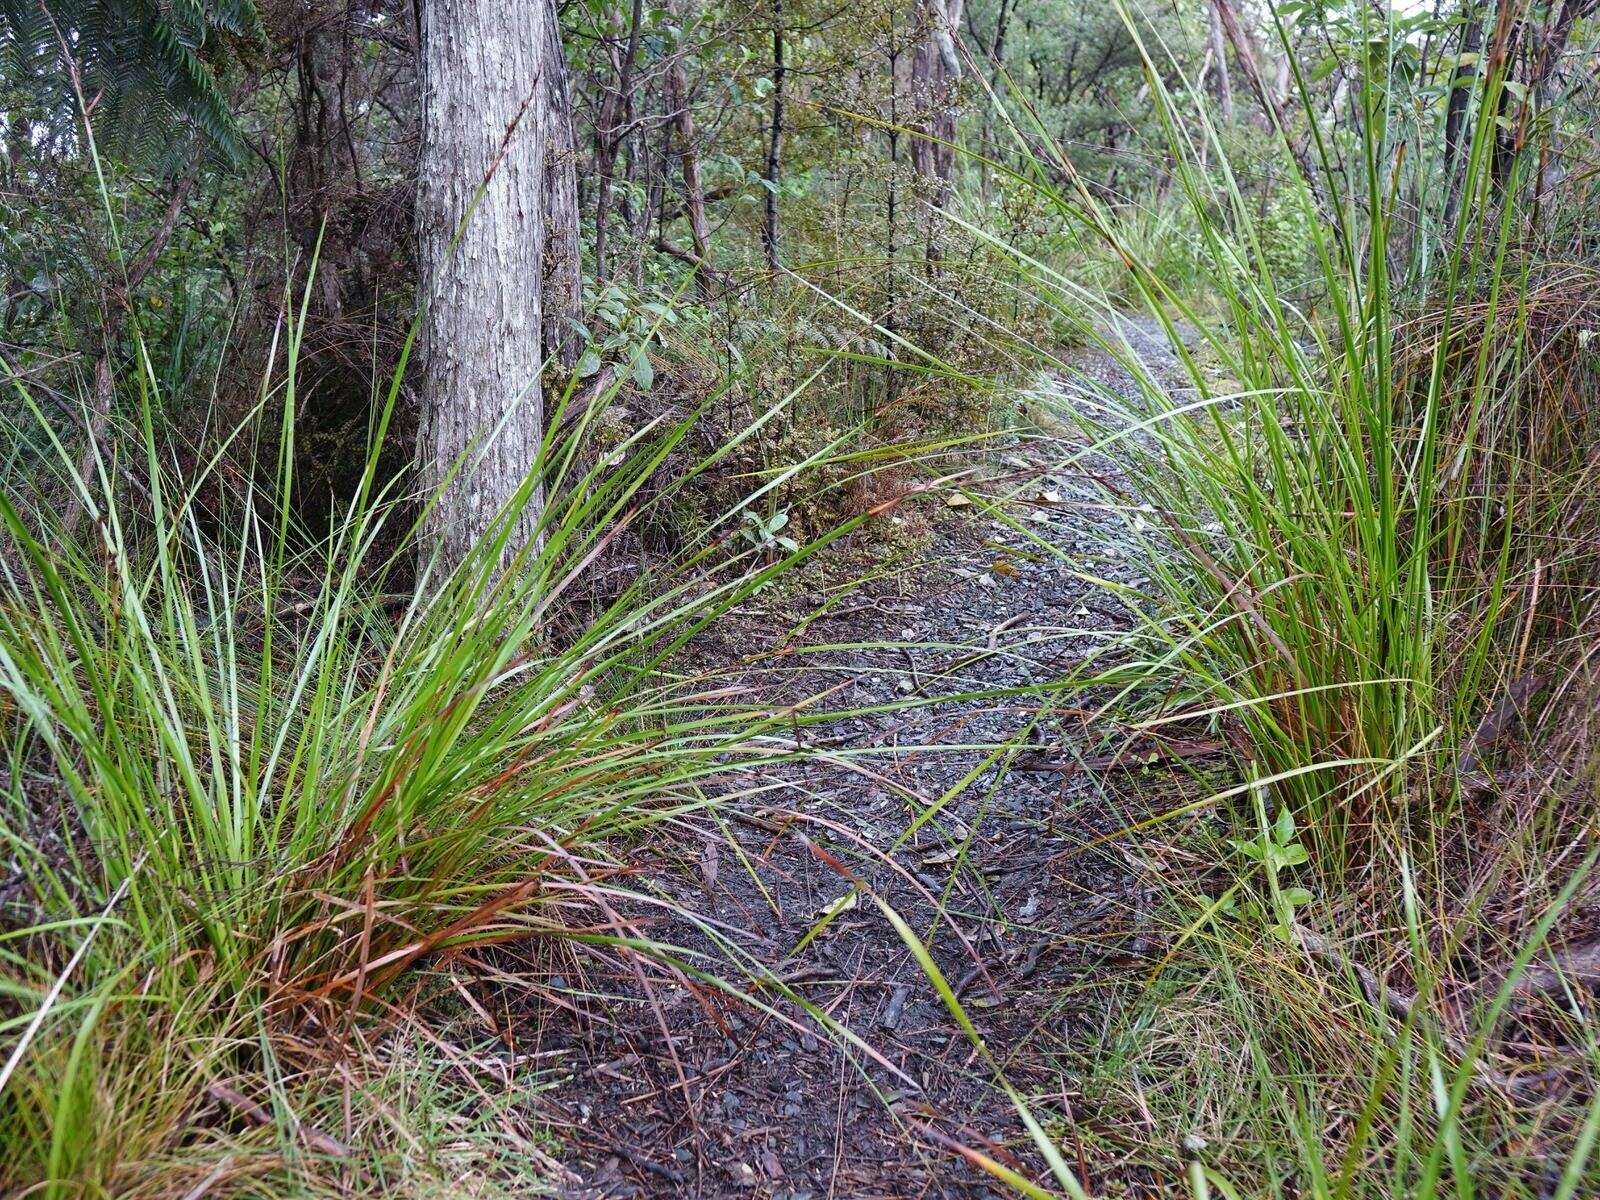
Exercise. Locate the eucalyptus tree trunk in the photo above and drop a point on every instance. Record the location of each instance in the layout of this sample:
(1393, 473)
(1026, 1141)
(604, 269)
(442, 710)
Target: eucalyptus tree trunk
(563, 263)
(1277, 116)
(487, 127)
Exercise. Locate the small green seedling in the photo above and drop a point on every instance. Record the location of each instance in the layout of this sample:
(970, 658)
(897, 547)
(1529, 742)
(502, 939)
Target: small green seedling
(765, 533)
(1277, 849)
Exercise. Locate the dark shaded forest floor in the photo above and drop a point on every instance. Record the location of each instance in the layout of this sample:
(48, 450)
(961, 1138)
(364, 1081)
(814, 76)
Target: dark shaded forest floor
(1037, 922)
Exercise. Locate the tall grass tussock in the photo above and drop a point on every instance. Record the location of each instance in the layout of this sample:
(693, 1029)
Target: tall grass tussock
(1365, 480)
(256, 777)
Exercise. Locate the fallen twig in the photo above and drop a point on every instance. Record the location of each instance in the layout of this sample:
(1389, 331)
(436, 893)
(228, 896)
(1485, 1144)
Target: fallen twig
(247, 1108)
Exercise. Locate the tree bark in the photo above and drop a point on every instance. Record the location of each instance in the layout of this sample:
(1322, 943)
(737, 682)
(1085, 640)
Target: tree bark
(769, 232)
(615, 113)
(694, 195)
(1244, 52)
(563, 262)
(935, 72)
(481, 253)
(1221, 83)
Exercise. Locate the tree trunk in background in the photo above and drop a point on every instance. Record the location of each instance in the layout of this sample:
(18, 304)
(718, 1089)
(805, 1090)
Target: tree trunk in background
(1541, 92)
(935, 72)
(615, 113)
(1223, 85)
(563, 262)
(769, 231)
(484, 126)
(694, 195)
(947, 20)
(1244, 52)
(922, 109)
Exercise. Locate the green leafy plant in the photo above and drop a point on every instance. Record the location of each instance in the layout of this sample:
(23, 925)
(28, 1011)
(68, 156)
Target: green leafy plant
(1353, 481)
(149, 69)
(634, 323)
(290, 770)
(766, 532)
(1275, 850)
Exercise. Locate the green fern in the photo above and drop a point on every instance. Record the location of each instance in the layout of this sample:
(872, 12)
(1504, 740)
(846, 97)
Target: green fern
(148, 70)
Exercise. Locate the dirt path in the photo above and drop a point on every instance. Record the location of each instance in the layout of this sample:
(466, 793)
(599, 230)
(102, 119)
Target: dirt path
(1033, 927)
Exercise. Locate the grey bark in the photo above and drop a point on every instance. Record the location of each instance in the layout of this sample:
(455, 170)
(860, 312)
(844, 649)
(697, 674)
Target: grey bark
(563, 264)
(769, 228)
(935, 72)
(1220, 80)
(485, 134)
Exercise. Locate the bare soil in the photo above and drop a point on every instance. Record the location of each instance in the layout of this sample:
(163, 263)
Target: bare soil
(1029, 901)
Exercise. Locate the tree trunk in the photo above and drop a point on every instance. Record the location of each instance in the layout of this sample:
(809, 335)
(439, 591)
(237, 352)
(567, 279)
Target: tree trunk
(1221, 83)
(485, 133)
(947, 19)
(922, 103)
(769, 232)
(1244, 52)
(694, 195)
(616, 112)
(563, 262)
(935, 72)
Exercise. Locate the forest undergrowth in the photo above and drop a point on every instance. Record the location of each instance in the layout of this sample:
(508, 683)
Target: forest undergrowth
(1256, 512)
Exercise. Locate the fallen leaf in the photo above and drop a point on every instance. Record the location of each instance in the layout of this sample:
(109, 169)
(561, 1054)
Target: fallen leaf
(1002, 566)
(958, 500)
(834, 907)
(708, 864)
